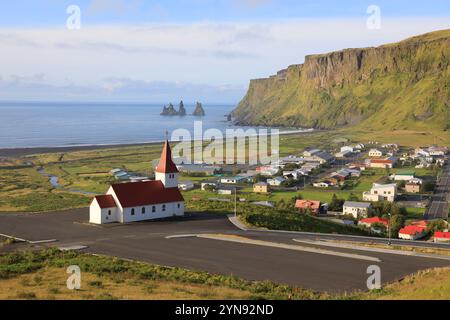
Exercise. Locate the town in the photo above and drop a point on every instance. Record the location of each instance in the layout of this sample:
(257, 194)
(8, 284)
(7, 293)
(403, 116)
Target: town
(384, 188)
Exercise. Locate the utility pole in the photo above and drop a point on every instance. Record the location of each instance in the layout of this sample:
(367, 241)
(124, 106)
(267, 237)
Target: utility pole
(235, 202)
(389, 227)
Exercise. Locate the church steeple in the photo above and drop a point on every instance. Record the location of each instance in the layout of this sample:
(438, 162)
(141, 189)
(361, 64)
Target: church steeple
(166, 164)
(167, 171)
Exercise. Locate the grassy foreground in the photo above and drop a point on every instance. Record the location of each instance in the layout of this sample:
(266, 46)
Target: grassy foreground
(42, 275)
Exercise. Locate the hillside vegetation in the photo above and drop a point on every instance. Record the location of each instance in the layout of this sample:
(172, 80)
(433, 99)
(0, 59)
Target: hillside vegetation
(401, 86)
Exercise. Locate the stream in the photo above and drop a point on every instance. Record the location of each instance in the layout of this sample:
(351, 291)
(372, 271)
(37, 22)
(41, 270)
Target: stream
(54, 181)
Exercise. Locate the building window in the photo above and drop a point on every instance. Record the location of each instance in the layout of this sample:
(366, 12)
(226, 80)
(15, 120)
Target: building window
(109, 212)
(143, 210)
(132, 212)
(153, 209)
(179, 206)
(164, 207)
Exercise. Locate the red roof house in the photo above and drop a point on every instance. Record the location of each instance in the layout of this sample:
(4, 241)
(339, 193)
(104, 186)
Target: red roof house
(313, 206)
(370, 221)
(412, 232)
(441, 236)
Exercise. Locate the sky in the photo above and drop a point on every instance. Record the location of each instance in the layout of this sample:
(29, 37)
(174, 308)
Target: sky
(163, 51)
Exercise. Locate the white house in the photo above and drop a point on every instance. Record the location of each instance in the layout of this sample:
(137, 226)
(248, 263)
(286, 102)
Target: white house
(375, 153)
(277, 181)
(356, 209)
(145, 200)
(347, 149)
(381, 192)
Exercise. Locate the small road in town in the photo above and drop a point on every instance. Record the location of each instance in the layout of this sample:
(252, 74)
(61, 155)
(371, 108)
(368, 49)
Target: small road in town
(192, 242)
(439, 206)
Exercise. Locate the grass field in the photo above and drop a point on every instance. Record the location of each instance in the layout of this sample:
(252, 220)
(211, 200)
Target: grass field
(42, 275)
(22, 188)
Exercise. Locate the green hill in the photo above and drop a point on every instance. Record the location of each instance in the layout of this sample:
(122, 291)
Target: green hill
(400, 86)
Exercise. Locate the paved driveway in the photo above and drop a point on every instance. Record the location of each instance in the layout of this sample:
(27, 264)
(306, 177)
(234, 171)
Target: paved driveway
(147, 242)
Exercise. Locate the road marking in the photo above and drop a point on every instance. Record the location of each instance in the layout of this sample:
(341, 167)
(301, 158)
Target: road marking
(28, 241)
(288, 247)
(72, 248)
(182, 236)
(368, 249)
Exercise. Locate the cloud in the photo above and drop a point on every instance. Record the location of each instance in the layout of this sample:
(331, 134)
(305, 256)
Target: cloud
(191, 57)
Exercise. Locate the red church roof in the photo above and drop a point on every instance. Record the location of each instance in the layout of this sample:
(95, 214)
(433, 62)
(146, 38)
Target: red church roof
(106, 201)
(137, 194)
(166, 164)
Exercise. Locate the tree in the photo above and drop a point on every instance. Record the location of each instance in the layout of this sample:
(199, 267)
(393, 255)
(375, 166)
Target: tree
(336, 204)
(437, 225)
(397, 222)
(353, 197)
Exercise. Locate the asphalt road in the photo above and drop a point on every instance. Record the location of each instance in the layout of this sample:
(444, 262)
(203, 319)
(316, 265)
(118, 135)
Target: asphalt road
(147, 242)
(439, 202)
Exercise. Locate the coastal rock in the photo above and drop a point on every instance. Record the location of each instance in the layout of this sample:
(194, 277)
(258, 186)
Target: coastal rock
(170, 110)
(199, 111)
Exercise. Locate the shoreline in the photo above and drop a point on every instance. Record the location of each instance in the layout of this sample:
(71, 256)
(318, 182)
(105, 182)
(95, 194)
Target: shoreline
(26, 151)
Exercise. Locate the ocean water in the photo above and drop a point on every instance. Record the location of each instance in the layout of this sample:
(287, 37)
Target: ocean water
(77, 124)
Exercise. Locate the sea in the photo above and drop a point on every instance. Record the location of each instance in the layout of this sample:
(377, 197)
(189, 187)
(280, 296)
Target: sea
(51, 124)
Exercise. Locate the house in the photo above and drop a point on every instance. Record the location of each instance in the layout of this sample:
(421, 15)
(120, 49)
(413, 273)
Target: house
(412, 232)
(226, 190)
(291, 160)
(186, 185)
(441, 236)
(375, 153)
(321, 157)
(311, 205)
(261, 187)
(198, 169)
(309, 152)
(356, 209)
(347, 149)
(381, 192)
(209, 184)
(343, 154)
(322, 184)
(267, 171)
(233, 180)
(414, 186)
(383, 163)
(276, 182)
(403, 176)
(368, 222)
(139, 201)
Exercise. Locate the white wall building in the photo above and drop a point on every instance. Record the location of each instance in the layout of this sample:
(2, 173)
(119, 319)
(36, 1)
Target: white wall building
(375, 153)
(145, 200)
(381, 192)
(356, 209)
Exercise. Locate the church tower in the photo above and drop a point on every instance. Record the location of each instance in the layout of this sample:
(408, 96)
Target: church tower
(167, 171)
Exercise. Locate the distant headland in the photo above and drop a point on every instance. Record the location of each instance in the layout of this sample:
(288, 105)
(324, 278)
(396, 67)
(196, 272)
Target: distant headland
(171, 111)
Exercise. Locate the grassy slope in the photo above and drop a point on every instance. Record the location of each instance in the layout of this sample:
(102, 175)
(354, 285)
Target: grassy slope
(402, 86)
(42, 275)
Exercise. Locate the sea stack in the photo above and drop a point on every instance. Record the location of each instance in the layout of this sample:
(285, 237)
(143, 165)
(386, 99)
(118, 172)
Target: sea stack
(199, 111)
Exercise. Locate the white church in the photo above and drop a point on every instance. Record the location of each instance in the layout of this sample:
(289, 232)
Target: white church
(139, 201)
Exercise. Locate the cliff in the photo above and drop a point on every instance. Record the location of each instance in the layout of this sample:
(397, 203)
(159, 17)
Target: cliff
(400, 86)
